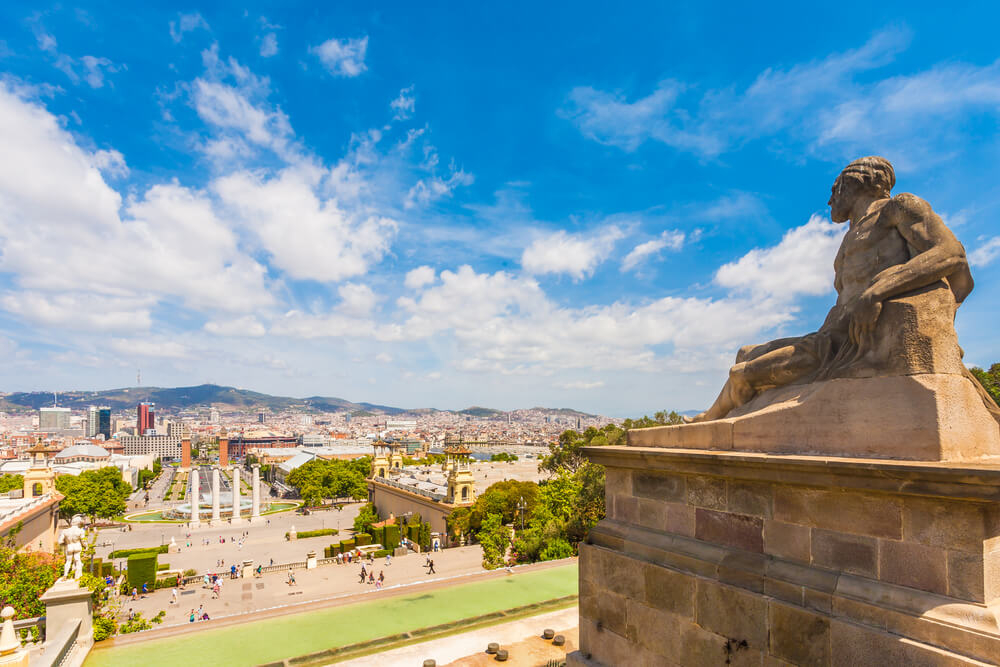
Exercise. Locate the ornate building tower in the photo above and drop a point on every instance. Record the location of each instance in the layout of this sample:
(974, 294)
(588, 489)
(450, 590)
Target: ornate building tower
(461, 484)
(380, 464)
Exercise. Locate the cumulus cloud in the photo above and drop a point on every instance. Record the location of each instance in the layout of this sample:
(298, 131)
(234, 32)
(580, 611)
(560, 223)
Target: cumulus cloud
(581, 385)
(576, 255)
(801, 264)
(671, 239)
(420, 276)
(237, 327)
(357, 300)
(343, 57)
(404, 105)
(186, 23)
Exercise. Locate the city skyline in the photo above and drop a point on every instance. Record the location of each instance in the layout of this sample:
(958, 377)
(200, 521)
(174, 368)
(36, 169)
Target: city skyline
(409, 208)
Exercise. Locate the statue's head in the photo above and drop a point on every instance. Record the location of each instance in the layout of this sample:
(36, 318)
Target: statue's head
(76, 520)
(871, 176)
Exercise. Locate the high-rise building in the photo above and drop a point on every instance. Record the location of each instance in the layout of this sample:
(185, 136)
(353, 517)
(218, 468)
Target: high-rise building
(92, 420)
(104, 422)
(53, 419)
(145, 418)
(260, 417)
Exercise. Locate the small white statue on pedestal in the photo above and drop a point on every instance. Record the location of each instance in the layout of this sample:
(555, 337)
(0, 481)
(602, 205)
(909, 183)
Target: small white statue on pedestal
(72, 539)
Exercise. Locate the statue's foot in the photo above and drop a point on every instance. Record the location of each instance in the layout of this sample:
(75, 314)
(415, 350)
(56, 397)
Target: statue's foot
(700, 417)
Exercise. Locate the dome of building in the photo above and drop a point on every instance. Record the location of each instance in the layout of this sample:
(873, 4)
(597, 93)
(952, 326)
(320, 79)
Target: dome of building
(77, 451)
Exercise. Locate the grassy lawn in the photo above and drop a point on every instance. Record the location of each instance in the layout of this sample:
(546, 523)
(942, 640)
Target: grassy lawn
(256, 642)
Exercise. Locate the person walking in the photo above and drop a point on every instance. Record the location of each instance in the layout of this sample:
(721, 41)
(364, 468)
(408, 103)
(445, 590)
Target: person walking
(431, 570)
(191, 618)
(364, 574)
(291, 577)
(388, 560)
(371, 577)
(173, 596)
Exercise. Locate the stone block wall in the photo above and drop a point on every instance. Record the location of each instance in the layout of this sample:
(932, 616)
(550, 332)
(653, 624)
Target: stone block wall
(764, 561)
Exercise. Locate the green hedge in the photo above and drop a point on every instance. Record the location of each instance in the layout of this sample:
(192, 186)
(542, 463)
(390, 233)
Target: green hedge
(169, 582)
(162, 566)
(381, 553)
(142, 569)
(346, 545)
(125, 553)
(391, 537)
(378, 535)
(107, 569)
(361, 539)
(314, 533)
(327, 553)
(334, 549)
(413, 532)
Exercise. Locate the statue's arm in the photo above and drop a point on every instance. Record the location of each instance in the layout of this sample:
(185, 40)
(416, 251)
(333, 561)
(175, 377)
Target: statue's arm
(937, 254)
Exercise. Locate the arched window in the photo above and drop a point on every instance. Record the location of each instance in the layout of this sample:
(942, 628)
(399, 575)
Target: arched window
(381, 472)
(465, 493)
(36, 489)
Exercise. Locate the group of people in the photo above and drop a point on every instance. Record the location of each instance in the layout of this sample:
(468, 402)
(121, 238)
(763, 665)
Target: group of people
(369, 576)
(200, 615)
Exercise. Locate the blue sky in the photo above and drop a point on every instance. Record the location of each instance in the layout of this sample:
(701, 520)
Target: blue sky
(454, 205)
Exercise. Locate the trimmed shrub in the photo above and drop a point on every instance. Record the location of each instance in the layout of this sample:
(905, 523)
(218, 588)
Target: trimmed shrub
(162, 566)
(381, 553)
(378, 535)
(361, 539)
(107, 569)
(334, 549)
(413, 532)
(391, 537)
(125, 553)
(346, 545)
(142, 570)
(169, 582)
(326, 552)
(314, 533)
(190, 572)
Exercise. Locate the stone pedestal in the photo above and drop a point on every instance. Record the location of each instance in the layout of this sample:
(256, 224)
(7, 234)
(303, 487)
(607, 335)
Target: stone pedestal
(11, 653)
(311, 560)
(235, 472)
(722, 557)
(65, 603)
(247, 569)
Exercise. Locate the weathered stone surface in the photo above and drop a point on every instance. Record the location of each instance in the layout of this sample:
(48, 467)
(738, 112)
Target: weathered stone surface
(752, 498)
(604, 607)
(646, 628)
(849, 553)
(966, 577)
(854, 645)
(914, 565)
(618, 482)
(846, 512)
(728, 611)
(679, 518)
(735, 530)
(787, 540)
(659, 486)
(668, 591)
(950, 525)
(707, 492)
(798, 636)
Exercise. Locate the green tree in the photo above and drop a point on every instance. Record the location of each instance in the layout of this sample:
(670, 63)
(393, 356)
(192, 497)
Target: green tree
(25, 576)
(990, 379)
(503, 498)
(457, 522)
(11, 482)
(94, 493)
(367, 515)
(494, 538)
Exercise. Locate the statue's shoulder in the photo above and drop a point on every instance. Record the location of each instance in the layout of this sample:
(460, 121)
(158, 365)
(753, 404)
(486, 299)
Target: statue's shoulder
(907, 205)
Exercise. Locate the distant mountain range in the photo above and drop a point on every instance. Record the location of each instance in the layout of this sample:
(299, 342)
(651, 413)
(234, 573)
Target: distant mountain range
(226, 398)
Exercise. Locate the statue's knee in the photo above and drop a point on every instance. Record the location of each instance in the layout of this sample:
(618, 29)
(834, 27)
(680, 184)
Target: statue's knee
(744, 353)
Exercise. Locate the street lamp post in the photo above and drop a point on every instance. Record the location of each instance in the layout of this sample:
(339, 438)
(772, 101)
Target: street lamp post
(522, 506)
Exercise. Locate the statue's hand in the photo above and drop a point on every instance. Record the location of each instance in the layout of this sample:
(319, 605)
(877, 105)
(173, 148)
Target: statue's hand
(863, 319)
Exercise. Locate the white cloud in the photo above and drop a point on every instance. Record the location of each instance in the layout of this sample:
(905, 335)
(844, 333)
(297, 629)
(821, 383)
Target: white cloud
(671, 238)
(237, 327)
(95, 69)
(308, 237)
(427, 190)
(985, 253)
(356, 300)
(404, 105)
(383, 358)
(79, 310)
(420, 276)
(296, 324)
(576, 255)
(269, 45)
(186, 23)
(801, 264)
(581, 385)
(343, 57)
(150, 348)
(834, 105)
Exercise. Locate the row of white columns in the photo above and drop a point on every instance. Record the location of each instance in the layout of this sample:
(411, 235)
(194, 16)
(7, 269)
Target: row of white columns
(195, 497)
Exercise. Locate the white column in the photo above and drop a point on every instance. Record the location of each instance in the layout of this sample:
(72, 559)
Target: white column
(216, 512)
(255, 489)
(235, 471)
(194, 498)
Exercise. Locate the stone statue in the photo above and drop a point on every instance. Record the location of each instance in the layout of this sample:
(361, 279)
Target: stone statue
(72, 540)
(900, 275)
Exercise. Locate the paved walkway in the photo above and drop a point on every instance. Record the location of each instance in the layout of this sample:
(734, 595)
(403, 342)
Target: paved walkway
(460, 647)
(239, 596)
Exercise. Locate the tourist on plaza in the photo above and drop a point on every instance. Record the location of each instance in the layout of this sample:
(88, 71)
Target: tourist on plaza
(145, 589)
(173, 596)
(291, 577)
(215, 591)
(388, 560)
(135, 593)
(431, 571)
(371, 577)
(364, 574)
(260, 570)
(381, 577)
(201, 610)
(232, 571)
(191, 618)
